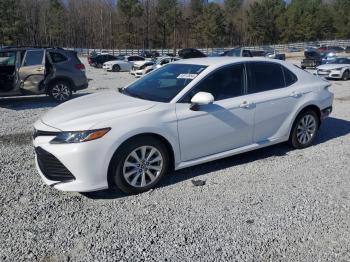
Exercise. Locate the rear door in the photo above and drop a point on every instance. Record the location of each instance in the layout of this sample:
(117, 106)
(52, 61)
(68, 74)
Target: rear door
(270, 86)
(32, 71)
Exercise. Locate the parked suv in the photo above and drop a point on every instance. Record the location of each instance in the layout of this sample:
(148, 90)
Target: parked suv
(53, 71)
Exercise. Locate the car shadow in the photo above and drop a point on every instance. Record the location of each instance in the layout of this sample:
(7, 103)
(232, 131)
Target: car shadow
(19, 103)
(331, 128)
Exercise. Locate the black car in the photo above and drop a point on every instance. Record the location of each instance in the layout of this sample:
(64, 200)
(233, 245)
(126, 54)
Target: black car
(36, 70)
(347, 49)
(99, 60)
(336, 49)
(190, 53)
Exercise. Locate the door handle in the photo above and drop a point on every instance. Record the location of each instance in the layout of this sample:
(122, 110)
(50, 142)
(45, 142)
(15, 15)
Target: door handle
(296, 94)
(246, 104)
(40, 69)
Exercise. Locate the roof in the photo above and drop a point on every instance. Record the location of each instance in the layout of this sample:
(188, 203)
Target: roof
(222, 60)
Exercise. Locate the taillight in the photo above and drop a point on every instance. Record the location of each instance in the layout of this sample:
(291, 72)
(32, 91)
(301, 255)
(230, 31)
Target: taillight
(80, 67)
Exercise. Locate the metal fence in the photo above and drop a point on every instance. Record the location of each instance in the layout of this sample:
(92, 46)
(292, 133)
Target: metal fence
(207, 51)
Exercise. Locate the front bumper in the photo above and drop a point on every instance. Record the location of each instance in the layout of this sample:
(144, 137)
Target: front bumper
(87, 163)
(107, 67)
(335, 74)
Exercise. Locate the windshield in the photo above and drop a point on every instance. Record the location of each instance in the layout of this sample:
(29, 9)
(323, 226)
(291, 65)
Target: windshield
(7, 58)
(339, 61)
(164, 84)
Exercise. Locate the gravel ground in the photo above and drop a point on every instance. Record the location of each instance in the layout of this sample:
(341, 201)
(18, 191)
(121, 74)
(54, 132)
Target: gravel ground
(274, 204)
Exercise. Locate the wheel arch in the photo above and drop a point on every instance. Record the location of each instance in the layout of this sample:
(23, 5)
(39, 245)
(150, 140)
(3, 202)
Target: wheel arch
(313, 107)
(57, 79)
(157, 136)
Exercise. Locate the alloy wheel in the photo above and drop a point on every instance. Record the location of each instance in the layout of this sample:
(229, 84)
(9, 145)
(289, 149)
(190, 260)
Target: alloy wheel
(306, 129)
(142, 166)
(61, 92)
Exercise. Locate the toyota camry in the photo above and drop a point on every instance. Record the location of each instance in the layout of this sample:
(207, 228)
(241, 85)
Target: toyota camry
(182, 114)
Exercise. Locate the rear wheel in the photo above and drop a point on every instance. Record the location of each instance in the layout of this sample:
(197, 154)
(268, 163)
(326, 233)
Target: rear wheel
(346, 75)
(139, 164)
(60, 91)
(99, 65)
(304, 129)
(116, 68)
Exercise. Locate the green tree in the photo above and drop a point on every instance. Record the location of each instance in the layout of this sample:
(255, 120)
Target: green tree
(234, 21)
(130, 10)
(262, 20)
(9, 22)
(55, 22)
(341, 14)
(210, 30)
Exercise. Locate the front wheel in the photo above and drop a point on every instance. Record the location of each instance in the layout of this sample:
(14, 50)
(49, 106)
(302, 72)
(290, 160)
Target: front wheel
(304, 129)
(60, 91)
(139, 164)
(346, 75)
(116, 68)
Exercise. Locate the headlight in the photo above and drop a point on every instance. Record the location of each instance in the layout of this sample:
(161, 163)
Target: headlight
(337, 69)
(79, 136)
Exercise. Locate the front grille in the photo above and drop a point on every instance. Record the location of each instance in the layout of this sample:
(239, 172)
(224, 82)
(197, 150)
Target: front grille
(51, 167)
(44, 133)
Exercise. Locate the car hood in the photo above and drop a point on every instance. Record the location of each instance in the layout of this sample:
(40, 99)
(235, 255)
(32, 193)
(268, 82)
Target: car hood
(331, 66)
(85, 112)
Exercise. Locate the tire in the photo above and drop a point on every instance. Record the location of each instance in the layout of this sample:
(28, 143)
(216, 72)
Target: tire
(128, 174)
(116, 68)
(99, 65)
(60, 91)
(346, 75)
(304, 130)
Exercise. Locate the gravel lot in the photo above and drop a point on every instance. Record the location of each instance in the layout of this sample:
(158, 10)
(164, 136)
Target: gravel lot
(274, 204)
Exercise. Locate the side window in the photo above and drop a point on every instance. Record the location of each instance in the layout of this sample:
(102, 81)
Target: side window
(246, 53)
(289, 77)
(264, 76)
(57, 57)
(33, 57)
(131, 58)
(225, 83)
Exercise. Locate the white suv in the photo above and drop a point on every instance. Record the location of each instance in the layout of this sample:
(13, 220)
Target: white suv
(182, 114)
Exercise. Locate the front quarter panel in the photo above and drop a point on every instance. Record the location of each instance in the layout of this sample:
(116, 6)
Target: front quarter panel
(160, 120)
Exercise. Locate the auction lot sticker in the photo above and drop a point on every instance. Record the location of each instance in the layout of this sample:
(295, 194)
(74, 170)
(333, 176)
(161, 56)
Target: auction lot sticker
(187, 76)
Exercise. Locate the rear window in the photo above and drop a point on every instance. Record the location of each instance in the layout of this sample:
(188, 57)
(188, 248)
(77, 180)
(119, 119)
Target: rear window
(57, 57)
(289, 77)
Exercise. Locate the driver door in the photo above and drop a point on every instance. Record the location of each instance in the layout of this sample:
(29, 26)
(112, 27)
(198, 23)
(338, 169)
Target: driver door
(226, 124)
(32, 71)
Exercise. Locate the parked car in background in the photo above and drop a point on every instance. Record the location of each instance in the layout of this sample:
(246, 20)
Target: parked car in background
(141, 70)
(190, 53)
(313, 58)
(347, 49)
(185, 113)
(30, 71)
(122, 65)
(335, 49)
(293, 49)
(238, 52)
(336, 68)
(99, 60)
(146, 54)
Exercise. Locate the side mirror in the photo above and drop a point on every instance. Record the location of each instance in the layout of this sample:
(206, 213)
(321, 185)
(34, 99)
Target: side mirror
(200, 99)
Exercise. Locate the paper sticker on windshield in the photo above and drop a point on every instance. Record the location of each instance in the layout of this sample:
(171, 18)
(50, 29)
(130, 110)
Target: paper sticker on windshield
(187, 76)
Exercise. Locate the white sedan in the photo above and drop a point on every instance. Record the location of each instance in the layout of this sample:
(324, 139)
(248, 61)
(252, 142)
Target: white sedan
(143, 69)
(337, 68)
(182, 114)
(122, 65)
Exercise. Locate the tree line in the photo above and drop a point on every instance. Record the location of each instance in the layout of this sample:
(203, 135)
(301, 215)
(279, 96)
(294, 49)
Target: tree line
(170, 23)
